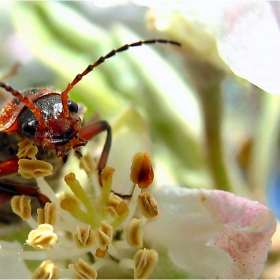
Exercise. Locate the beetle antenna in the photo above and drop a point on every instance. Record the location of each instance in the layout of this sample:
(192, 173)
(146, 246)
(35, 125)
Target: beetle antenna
(64, 94)
(29, 103)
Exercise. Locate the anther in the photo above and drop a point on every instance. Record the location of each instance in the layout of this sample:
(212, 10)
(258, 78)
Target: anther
(144, 262)
(141, 170)
(101, 253)
(21, 206)
(47, 270)
(29, 168)
(48, 214)
(82, 270)
(147, 205)
(43, 237)
(104, 235)
(84, 237)
(26, 149)
(134, 233)
(88, 164)
(116, 205)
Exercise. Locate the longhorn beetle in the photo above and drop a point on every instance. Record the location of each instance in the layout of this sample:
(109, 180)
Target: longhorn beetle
(53, 122)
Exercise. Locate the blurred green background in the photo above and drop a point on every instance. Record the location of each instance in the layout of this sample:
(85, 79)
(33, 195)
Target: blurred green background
(225, 136)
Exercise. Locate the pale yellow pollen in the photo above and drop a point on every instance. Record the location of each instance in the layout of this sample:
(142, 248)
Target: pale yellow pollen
(26, 149)
(104, 235)
(141, 170)
(43, 237)
(147, 205)
(116, 206)
(88, 164)
(144, 262)
(47, 215)
(134, 233)
(82, 270)
(29, 168)
(47, 270)
(84, 237)
(21, 206)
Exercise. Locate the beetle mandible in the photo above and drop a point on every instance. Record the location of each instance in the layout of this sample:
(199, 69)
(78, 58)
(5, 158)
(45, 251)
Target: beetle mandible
(53, 122)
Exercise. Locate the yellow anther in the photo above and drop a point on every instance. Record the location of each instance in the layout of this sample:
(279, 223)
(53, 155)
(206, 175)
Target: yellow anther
(82, 270)
(101, 253)
(47, 270)
(29, 168)
(88, 164)
(48, 214)
(26, 149)
(141, 170)
(84, 237)
(116, 205)
(107, 177)
(43, 237)
(134, 233)
(70, 198)
(104, 235)
(147, 205)
(144, 262)
(21, 206)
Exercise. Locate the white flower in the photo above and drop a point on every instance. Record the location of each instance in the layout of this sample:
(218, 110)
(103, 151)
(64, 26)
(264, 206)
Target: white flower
(245, 34)
(94, 233)
(212, 234)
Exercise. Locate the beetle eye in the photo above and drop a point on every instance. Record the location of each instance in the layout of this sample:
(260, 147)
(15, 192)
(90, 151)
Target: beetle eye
(72, 106)
(29, 129)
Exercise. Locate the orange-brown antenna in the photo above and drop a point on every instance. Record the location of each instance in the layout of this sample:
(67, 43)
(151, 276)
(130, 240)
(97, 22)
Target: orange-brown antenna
(29, 103)
(64, 94)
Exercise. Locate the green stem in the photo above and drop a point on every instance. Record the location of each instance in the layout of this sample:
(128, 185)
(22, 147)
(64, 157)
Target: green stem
(207, 80)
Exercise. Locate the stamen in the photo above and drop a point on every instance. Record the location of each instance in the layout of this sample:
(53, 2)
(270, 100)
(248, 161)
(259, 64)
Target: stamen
(47, 215)
(107, 177)
(29, 168)
(47, 270)
(144, 262)
(134, 233)
(84, 237)
(101, 253)
(43, 237)
(88, 164)
(141, 170)
(116, 205)
(104, 235)
(71, 206)
(147, 205)
(78, 190)
(21, 206)
(26, 149)
(82, 270)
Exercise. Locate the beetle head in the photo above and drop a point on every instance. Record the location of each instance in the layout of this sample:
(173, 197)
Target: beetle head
(56, 130)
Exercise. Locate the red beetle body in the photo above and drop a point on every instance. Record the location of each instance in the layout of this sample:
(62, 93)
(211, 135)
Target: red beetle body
(54, 123)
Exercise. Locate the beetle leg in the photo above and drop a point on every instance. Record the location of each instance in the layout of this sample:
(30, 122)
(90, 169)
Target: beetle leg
(8, 189)
(89, 131)
(12, 189)
(9, 166)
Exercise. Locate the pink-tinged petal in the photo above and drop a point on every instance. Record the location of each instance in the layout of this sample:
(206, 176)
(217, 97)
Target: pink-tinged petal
(249, 40)
(212, 234)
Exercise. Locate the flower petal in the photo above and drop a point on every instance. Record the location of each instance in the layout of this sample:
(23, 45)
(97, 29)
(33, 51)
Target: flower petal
(10, 260)
(213, 234)
(250, 42)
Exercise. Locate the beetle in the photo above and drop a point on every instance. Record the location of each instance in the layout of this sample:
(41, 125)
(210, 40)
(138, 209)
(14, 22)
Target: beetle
(54, 123)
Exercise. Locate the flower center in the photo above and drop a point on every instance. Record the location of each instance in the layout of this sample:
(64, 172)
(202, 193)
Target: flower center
(100, 230)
